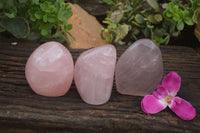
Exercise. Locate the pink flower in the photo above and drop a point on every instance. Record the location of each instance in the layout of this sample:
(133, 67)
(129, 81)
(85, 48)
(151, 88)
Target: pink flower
(165, 96)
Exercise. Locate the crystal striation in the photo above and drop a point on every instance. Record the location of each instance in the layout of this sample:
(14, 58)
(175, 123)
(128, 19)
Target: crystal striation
(139, 69)
(94, 73)
(49, 70)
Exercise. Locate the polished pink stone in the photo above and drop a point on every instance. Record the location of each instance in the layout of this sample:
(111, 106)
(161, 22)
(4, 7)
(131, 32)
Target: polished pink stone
(94, 72)
(139, 69)
(49, 70)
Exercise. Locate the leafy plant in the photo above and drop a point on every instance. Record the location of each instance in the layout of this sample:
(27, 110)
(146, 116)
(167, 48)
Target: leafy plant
(43, 16)
(109, 2)
(19, 31)
(155, 19)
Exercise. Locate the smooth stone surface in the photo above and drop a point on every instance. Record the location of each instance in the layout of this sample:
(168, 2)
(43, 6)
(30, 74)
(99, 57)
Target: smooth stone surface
(139, 69)
(85, 29)
(94, 73)
(49, 70)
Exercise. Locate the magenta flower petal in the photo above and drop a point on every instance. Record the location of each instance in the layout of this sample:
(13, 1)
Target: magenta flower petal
(156, 95)
(183, 108)
(152, 105)
(172, 83)
(162, 91)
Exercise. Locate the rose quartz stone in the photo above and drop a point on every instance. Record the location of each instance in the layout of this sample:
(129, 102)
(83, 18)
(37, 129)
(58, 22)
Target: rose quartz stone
(49, 70)
(94, 72)
(139, 69)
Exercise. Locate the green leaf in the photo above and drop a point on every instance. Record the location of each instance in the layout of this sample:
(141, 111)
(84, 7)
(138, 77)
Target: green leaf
(47, 8)
(44, 32)
(185, 13)
(109, 2)
(10, 15)
(62, 15)
(146, 32)
(33, 18)
(31, 11)
(113, 26)
(136, 24)
(68, 27)
(51, 9)
(65, 12)
(168, 14)
(71, 36)
(13, 10)
(67, 7)
(45, 18)
(18, 26)
(153, 4)
(151, 18)
(180, 25)
(122, 31)
(175, 8)
(36, 2)
(166, 39)
(158, 41)
(196, 15)
(171, 27)
(44, 6)
(158, 17)
(108, 19)
(22, 1)
(194, 5)
(39, 14)
(139, 19)
(188, 21)
(176, 17)
(175, 33)
(45, 26)
(116, 16)
(51, 18)
(160, 32)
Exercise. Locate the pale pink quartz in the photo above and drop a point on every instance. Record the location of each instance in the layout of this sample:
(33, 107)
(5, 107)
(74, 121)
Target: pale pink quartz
(94, 72)
(139, 69)
(49, 70)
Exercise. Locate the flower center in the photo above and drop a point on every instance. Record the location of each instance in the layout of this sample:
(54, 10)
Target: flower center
(168, 99)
